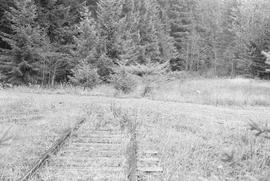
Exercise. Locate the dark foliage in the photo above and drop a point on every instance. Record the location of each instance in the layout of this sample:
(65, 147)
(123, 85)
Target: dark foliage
(48, 41)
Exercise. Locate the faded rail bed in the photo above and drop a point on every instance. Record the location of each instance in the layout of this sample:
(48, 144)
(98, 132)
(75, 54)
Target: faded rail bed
(101, 151)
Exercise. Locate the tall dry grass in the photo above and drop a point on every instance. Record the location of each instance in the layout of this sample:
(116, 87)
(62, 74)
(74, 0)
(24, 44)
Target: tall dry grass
(181, 88)
(195, 142)
(229, 92)
(205, 150)
(225, 92)
(35, 124)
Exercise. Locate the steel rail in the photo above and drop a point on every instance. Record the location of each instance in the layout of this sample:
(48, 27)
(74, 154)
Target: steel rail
(51, 151)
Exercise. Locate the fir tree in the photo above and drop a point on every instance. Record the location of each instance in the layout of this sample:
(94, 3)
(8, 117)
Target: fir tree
(256, 35)
(59, 18)
(267, 62)
(85, 75)
(181, 24)
(109, 15)
(23, 62)
(130, 38)
(228, 37)
(4, 22)
(87, 41)
(146, 36)
(86, 53)
(167, 42)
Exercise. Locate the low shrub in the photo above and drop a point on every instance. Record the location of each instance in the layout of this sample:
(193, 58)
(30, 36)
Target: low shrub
(104, 68)
(124, 82)
(182, 75)
(147, 90)
(85, 76)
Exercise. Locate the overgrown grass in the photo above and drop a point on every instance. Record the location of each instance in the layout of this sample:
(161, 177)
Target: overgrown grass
(67, 89)
(196, 146)
(229, 92)
(199, 149)
(195, 141)
(33, 124)
(218, 92)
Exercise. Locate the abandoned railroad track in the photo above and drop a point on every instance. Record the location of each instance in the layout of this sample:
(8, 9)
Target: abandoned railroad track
(106, 152)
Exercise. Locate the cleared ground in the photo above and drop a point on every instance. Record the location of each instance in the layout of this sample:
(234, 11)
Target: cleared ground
(196, 140)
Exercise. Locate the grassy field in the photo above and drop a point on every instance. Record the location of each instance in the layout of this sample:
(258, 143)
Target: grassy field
(200, 127)
(223, 92)
(229, 92)
(34, 123)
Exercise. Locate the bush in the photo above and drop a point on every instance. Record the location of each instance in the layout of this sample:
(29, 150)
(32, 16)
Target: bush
(124, 82)
(85, 76)
(182, 75)
(104, 66)
(147, 90)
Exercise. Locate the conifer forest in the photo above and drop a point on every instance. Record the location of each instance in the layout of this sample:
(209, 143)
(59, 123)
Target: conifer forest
(47, 42)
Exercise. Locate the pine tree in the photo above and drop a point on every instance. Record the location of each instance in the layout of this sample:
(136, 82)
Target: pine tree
(210, 31)
(29, 44)
(228, 39)
(59, 18)
(267, 62)
(87, 41)
(180, 16)
(4, 23)
(129, 39)
(256, 36)
(146, 36)
(86, 53)
(109, 15)
(148, 32)
(85, 75)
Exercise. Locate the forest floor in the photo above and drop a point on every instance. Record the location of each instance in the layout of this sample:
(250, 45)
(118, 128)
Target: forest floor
(201, 128)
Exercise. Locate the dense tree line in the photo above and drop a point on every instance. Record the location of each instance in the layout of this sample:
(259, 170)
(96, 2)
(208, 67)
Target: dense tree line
(48, 41)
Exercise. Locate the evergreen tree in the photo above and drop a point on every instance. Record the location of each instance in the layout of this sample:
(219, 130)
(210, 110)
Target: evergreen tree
(109, 14)
(267, 56)
(86, 53)
(180, 14)
(87, 41)
(211, 24)
(129, 34)
(59, 18)
(29, 44)
(146, 36)
(85, 75)
(255, 33)
(4, 23)
(228, 39)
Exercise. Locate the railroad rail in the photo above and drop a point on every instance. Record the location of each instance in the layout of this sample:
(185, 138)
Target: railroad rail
(52, 150)
(105, 152)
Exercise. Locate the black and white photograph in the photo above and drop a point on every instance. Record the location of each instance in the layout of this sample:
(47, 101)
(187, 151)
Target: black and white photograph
(134, 90)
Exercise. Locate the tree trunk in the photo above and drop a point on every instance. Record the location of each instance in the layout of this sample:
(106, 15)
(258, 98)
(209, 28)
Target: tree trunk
(233, 68)
(43, 73)
(54, 74)
(187, 58)
(215, 61)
